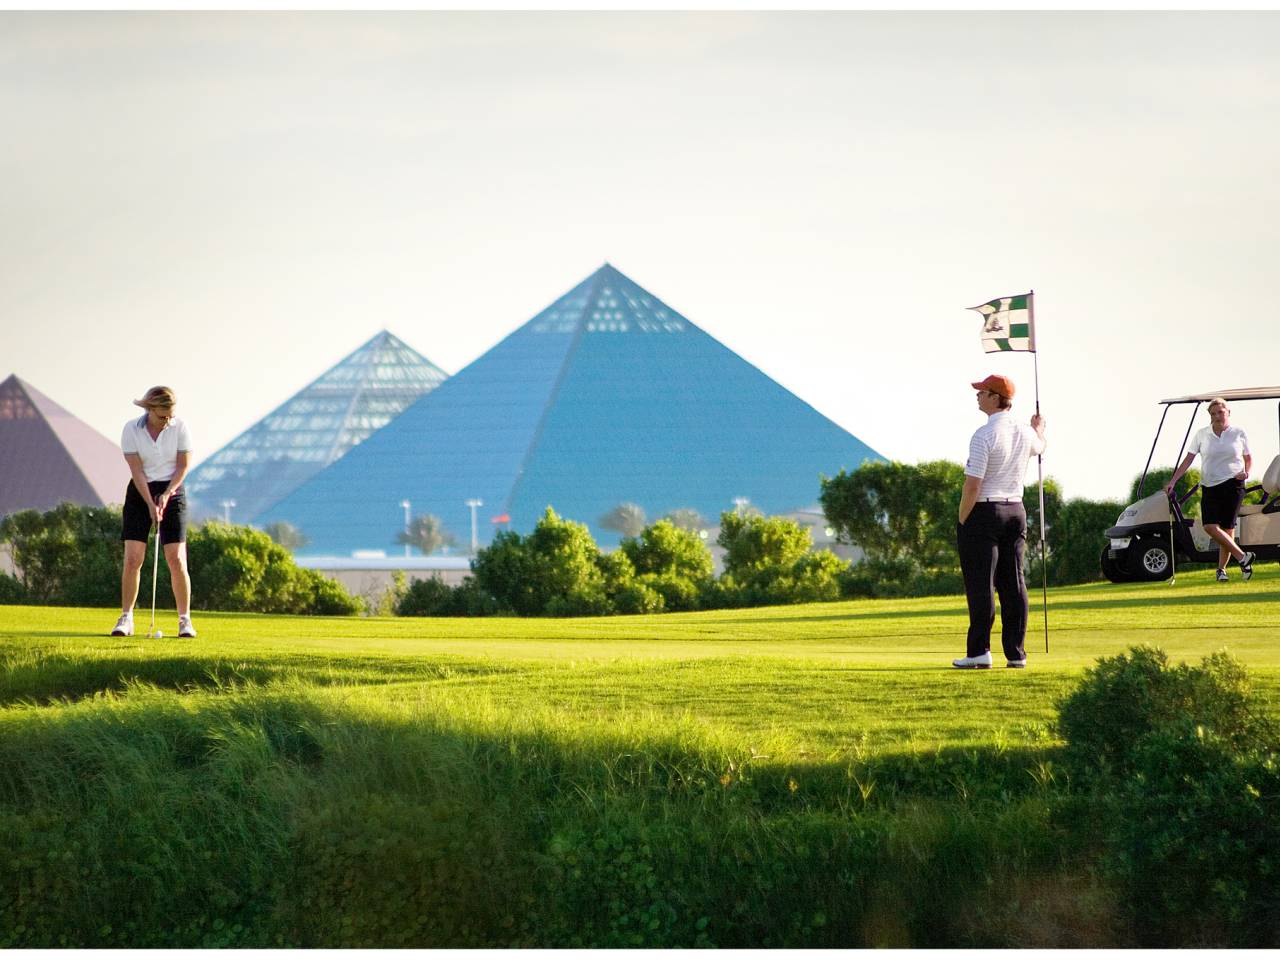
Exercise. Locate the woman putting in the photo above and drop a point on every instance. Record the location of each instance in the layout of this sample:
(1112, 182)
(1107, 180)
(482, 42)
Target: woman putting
(1226, 463)
(157, 447)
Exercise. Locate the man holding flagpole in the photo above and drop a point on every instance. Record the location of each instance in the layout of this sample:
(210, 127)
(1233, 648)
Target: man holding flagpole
(992, 532)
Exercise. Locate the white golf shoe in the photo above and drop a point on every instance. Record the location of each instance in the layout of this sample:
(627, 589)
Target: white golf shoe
(185, 629)
(980, 662)
(1246, 565)
(124, 626)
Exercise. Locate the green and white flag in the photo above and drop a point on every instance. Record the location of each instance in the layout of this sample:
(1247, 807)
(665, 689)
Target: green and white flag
(1009, 324)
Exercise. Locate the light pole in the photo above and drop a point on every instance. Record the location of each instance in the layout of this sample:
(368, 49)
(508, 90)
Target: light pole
(740, 505)
(406, 505)
(226, 510)
(473, 503)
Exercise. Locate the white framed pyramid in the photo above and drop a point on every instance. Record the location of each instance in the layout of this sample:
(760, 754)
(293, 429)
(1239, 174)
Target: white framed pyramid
(314, 428)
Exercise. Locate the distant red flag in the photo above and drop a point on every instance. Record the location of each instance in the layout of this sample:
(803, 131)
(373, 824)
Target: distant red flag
(500, 518)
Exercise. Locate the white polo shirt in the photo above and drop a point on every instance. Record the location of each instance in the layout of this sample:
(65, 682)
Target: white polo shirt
(159, 456)
(998, 455)
(1222, 457)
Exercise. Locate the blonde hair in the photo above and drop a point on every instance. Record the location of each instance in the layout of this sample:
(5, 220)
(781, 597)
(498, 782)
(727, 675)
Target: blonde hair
(1220, 400)
(156, 397)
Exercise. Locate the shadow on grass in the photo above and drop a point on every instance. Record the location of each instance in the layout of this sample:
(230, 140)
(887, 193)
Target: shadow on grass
(44, 678)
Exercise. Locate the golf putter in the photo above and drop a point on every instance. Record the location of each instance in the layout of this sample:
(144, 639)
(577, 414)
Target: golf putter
(153, 633)
(1173, 565)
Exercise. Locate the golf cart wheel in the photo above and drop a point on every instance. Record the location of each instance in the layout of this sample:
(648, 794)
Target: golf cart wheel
(1111, 569)
(1151, 560)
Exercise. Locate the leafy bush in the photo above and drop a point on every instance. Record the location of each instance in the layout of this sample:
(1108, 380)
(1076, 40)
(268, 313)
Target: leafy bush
(638, 597)
(768, 560)
(666, 550)
(238, 568)
(1194, 840)
(1075, 541)
(556, 571)
(435, 598)
(897, 511)
(754, 544)
(678, 593)
(427, 598)
(70, 555)
(1124, 698)
(12, 590)
(898, 578)
(1181, 766)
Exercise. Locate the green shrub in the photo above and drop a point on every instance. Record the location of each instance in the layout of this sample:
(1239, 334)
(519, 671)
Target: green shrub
(900, 578)
(677, 593)
(1181, 768)
(239, 568)
(897, 511)
(323, 596)
(664, 549)
(557, 571)
(428, 597)
(1074, 541)
(638, 597)
(1124, 698)
(1194, 840)
(70, 555)
(768, 560)
(755, 544)
(12, 590)
(435, 598)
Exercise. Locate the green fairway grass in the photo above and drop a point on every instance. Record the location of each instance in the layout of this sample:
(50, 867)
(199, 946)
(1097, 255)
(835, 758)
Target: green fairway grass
(216, 791)
(823, 673)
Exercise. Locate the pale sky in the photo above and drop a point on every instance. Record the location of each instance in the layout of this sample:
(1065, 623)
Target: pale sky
(228, 203)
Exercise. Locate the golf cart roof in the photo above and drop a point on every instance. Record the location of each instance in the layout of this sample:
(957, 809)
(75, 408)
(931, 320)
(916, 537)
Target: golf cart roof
(1243, 393)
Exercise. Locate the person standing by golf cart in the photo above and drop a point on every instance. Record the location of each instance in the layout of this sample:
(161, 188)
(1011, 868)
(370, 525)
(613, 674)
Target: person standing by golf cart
(992, 532)
(1226, 464)
(157, 448)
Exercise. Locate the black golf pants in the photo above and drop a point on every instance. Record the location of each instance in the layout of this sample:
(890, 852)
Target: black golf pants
(991, 543)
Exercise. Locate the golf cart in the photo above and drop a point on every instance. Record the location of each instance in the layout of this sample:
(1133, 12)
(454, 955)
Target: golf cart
(1153, 533)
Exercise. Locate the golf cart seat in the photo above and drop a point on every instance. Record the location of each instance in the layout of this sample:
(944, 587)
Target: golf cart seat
(1271, 487)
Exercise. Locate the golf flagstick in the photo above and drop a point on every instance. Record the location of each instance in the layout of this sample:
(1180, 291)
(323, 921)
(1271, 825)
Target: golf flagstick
(1044, 569)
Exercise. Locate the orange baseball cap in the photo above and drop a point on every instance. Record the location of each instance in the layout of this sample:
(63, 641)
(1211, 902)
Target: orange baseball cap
(996, 384)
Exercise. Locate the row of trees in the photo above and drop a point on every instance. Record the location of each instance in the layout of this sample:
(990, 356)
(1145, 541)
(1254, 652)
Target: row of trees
(903, 516)
(558, 570)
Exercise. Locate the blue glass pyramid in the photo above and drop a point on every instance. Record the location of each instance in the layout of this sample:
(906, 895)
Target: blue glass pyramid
(318, 425)
(607, 396)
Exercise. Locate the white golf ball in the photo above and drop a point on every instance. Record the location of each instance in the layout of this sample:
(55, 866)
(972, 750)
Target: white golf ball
(159, 634)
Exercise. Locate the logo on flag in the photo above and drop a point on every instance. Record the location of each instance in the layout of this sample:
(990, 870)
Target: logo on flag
(1008, 324)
